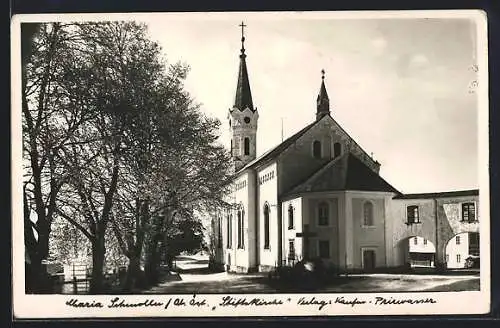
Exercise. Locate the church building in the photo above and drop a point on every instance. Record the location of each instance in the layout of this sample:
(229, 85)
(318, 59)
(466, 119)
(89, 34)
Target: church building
(317, 194)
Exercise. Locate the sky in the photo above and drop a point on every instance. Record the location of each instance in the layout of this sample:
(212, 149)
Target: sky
(401, 87)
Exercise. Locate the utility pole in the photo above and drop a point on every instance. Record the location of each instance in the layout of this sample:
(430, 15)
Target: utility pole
(282, 129)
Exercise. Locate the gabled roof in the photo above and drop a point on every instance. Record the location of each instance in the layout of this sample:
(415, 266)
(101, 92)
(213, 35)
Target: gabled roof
(458, 193)
(276, 151)
(346, 172)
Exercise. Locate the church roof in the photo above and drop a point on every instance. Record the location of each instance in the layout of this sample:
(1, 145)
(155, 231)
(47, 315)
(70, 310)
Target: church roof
(276, 151)
(346, 172)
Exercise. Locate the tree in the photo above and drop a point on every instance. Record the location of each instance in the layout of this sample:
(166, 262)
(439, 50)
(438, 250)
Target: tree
(112, 137)
(47, 121)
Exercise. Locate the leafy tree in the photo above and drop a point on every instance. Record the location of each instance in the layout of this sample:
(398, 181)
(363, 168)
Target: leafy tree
(111, 138)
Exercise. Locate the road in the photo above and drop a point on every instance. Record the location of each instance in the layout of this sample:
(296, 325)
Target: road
(194, 277)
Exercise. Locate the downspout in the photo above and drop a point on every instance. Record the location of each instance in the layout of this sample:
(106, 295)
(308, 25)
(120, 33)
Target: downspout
(437, 261)
(257, 216)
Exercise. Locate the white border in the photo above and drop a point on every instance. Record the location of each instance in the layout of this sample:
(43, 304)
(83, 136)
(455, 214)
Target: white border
(52, 306)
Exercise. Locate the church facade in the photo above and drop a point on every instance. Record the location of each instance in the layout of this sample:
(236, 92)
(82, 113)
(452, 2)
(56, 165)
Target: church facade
(317, 194)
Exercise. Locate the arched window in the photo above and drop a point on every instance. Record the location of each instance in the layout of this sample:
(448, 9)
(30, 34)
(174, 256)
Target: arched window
(219, 232)
(368, 214)
(323, 214)
(317, 149)
(241, 243)
(266, 226)
(290, 217)
(337, 149)
(246, 146)
(229, 231)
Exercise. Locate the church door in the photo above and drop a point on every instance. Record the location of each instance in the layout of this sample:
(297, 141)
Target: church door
(368, 259)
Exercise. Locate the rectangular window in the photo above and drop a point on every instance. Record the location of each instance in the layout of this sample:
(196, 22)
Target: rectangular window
(425, 241)
(324, 249)
(469, 212)
(474, 243)
(447, 258)
(291, 249)
(412, 215)
(457, 240)
(415, 241)
(323, 214)
(458, 258)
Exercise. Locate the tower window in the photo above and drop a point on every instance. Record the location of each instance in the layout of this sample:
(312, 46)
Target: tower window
(317, 149)
(290, 217)
(266, 226)
(246, 119)
(337, 149)
(247, 146)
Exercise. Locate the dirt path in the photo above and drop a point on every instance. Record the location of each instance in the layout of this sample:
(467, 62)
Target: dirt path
(194, 277)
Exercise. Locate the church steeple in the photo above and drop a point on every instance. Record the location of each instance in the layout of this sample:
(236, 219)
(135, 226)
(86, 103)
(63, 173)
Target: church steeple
(243, 97)
(322, 102)
(243, 117)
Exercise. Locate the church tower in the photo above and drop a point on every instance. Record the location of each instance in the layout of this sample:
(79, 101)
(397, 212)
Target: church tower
(322, 102)
(243, 116)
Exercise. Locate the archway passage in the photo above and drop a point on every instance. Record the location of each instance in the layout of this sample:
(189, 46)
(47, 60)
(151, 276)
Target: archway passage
(417, 252)
(462, 251)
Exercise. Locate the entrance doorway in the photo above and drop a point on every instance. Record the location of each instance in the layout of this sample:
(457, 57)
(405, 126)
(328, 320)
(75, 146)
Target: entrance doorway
(368, 259)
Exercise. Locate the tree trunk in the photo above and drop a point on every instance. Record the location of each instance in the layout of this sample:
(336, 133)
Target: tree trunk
(133, 273)
(98, 252)
(152, 266)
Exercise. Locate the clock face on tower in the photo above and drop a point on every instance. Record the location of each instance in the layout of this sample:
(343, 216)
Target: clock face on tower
(246, 119)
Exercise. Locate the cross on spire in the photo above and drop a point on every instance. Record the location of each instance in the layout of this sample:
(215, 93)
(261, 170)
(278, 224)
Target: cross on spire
(322, 74)
(242, 25)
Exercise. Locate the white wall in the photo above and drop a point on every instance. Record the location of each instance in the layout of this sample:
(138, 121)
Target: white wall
(267, 187)
(452, 250)
(289, 234)
(420, 246)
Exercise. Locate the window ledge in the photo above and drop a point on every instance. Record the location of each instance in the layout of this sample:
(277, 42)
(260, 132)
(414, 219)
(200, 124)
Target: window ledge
(412, 223)
(368, 226)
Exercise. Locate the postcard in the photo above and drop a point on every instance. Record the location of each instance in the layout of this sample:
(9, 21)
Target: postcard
(250, 164)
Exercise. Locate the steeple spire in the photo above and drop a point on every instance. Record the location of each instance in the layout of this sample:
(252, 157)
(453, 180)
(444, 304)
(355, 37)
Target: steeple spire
(322, 102)
(243, 97)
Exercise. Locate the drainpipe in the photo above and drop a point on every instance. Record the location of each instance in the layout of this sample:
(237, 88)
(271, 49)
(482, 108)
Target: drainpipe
(256, 219)
(437, 261)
